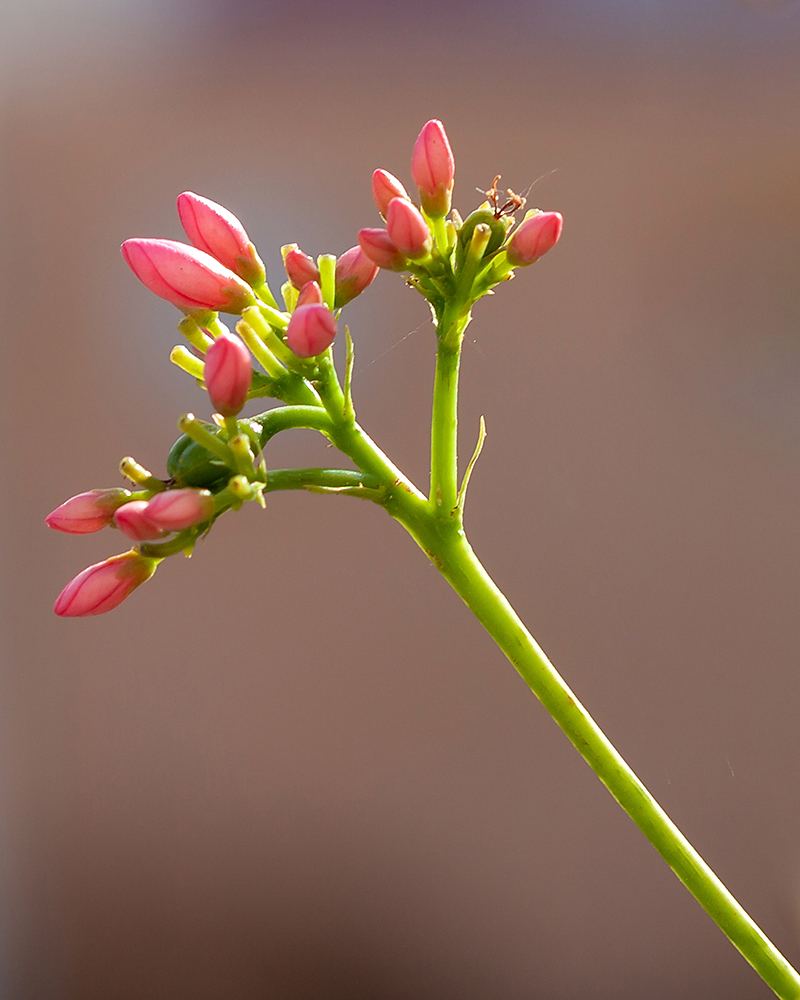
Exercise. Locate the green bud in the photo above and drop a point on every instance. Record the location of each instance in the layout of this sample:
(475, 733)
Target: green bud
(499, 229)
(192, 465)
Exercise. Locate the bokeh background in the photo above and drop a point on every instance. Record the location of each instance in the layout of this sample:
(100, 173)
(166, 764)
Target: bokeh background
(294, 767)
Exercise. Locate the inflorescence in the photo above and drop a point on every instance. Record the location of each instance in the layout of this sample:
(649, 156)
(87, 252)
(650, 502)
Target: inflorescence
(218, 465)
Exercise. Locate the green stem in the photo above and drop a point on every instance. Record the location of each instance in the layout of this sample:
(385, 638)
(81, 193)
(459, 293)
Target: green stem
(439, 234)
(453, 556)
(435, 525)
(439, 533)
(351, 439)
(323, 480)
(284, 418)
(231, 428)
(444, 427)
(264, 292)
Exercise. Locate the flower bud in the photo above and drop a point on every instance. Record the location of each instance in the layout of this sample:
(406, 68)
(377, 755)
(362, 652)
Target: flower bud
(378, 246)
(354, 271)
(433, 169)
(407, 229)
(386, 186)
(175, 510)
(188, 278)
(218, 232)
(86, 512)
(228, 373)
(102, 587)
(534, 237)
(131, 519)
(308, 294)
(311, 330)
(300, 268)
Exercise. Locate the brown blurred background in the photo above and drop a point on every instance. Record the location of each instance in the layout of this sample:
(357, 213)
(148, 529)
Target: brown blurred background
(294, 767)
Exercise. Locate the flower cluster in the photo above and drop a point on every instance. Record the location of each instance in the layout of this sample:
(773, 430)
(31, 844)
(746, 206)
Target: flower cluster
(218, 465)
(450, 259)
(220, 271)
(105, 585)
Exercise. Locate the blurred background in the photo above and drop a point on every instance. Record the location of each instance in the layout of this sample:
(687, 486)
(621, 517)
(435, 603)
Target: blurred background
(295, 767)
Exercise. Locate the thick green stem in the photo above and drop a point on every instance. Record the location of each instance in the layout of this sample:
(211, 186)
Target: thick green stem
(435, 524)
(346, 481)
(453, 556)
(439, 533)
(284, 418)
(444, 436)
(351, 439)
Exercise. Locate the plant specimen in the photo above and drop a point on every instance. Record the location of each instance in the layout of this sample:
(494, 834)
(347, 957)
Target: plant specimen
(284, 351)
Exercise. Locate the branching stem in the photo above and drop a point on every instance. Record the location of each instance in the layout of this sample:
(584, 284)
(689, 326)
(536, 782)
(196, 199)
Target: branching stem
(435, 524)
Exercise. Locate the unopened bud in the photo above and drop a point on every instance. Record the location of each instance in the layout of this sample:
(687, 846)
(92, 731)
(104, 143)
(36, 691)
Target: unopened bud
(300, 268)
(219, 233)
(175, 510)
(105, 585)
(86, 512)
(407, 229)
(386, 186)
(311, 330)
(131, 519)
(535, 235)
(308, 294)
(188, 278)
(354, 271)
(228, 373)
(433, 169)
(378, 246)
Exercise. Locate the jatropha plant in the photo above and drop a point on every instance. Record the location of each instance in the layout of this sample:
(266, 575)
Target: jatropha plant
(284, 351)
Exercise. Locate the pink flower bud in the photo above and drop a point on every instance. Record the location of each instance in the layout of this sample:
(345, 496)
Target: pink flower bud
(188, 278)
(227, 374)
(132, 521)
(218, 232)
(102, 587)
(300, 268)
(354, 271)
(174, 510)
(433, 169)
(386, 186)
(309, 293)
(378, 246)
(407, 229)
(534, 237)
(311, 330)
(86, 512)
